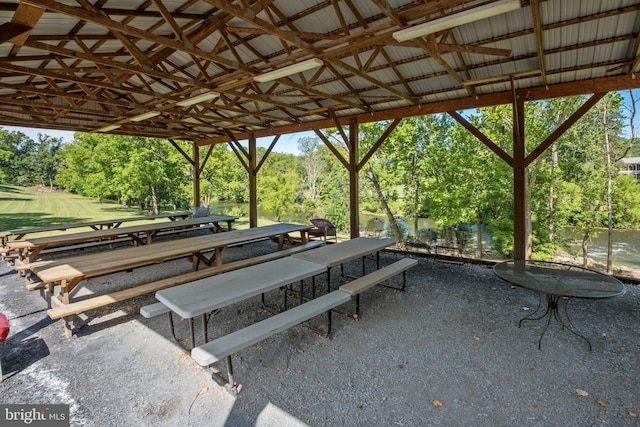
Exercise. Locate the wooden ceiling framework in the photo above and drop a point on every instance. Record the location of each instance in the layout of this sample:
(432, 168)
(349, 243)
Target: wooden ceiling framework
(94, 65)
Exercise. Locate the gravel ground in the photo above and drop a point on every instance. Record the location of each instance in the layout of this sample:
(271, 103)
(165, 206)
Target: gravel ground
(445, 352)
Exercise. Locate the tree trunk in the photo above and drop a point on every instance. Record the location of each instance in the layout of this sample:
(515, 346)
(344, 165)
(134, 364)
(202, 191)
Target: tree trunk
(585, 250)
(154, 199)
(416, 195)
(385, 207)
(479, 248)
(607, 154)
(552, 195)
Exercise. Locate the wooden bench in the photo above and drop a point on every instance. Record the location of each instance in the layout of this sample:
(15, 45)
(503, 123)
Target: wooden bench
(75, 308)
(14, 256)
(94, 225)
(142, 234)
(223, 347)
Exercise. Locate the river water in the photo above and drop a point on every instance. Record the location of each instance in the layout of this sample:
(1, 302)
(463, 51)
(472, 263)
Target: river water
(626, 243)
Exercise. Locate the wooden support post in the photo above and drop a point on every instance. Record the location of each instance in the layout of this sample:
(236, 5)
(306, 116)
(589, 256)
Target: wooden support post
(519, 180)
(354, 185)
(196, 174)
(253, 182)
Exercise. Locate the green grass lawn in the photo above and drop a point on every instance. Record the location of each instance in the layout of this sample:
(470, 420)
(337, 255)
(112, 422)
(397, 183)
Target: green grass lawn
(28, 207)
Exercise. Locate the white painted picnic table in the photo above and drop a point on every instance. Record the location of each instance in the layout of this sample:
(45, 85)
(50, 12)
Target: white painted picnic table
(206, 295)
(339, 253)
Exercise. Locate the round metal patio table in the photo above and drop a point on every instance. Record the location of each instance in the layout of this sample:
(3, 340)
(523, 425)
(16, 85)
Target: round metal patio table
(556, 282)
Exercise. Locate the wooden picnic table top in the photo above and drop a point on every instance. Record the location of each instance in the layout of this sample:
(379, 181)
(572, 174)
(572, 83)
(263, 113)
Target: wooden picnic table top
(339, 253)
(39, 243)
(96, 225)
(112, 261)
(205, 295)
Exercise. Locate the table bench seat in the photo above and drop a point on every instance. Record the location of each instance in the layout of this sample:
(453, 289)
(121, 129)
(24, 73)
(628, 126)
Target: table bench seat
(223, 347)
(103, 300)
(361, 284)
(153, 310)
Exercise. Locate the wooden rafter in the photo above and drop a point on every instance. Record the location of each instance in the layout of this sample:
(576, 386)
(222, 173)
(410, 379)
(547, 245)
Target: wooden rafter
(109, 64)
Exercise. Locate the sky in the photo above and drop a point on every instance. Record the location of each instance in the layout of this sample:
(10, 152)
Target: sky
(286, 144)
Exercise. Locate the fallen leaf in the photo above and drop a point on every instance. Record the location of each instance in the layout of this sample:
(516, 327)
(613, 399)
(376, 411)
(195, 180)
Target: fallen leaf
(436, 402)
(633, 414)
(581, 392)
(400, 366)
(601, 402)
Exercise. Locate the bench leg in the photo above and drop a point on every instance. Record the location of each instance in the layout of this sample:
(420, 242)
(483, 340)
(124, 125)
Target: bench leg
(68, 326)
(205, 332)
(192, 333)
(404, 283)
(171, 326)
(230, 381)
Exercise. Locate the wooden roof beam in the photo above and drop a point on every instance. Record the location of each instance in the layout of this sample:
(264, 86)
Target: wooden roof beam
(10, 31)
(537, 28)
(28, 16)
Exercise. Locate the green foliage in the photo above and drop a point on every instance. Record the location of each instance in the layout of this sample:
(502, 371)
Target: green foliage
(27, 162)
(428, 166)
(130, 170)
(279, 184)
(626, 212)
(223, 177)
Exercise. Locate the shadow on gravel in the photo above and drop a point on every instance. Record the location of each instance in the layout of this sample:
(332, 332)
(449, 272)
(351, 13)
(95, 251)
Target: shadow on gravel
(21, 350)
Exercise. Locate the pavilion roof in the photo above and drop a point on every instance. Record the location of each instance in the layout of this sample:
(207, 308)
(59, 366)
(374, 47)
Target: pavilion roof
(82, 65)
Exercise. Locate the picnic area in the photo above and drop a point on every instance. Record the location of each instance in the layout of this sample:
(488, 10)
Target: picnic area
(436, 123)
(406, 361)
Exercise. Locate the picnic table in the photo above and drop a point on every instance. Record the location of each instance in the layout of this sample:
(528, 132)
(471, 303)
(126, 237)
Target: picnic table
(68, 273)
(140, 234)
(95, 225)
(338, 254)
(206, 295)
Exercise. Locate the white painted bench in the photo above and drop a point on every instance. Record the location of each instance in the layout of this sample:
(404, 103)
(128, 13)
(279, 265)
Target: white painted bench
(153, 310)
(359, 285)
(225, 346)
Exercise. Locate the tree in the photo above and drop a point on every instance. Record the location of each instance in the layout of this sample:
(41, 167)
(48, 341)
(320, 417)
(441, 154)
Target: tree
(313, 167)
(47, 159)
(279, 183)
(132, 170)
(153, 169)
